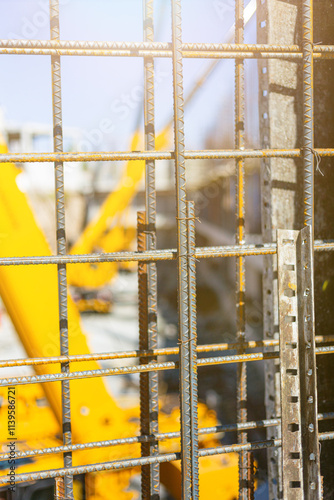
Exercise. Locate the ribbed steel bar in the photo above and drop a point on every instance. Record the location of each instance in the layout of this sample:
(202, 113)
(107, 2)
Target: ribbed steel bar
(156, 255)
(135, 462)
(239, 143)
(59, 489)
(308, 125)
(247, 426)
(150, 479)
(193, 350)
(145, 439)
(144, 390)
(148, 385)
(61, 243)
(168, 365)
(158, 155)
(167, 351)
(146, 53)
(182, 252)
(157, 49)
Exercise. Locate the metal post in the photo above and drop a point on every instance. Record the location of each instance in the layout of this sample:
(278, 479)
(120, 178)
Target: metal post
(188, 480)
(61, 243)
(149, 382)
(308, 368)
(281, 193)
(300, 447)
(289, 366)
(240, 239)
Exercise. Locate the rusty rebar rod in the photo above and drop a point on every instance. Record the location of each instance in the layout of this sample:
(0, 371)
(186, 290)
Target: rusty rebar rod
(239, 143)
(189, 480)
(218, 429)
(193, 351)
(167, 351)
(308, 125)
(61, 243)
(159, 155)
(157, 255)
(159, 49)
(168, 457)
(150, 483)
(124, 370)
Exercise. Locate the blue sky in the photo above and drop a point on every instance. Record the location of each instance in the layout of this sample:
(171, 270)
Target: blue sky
(96, 89)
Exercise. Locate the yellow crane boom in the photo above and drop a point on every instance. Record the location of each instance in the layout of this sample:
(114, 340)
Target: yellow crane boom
(104, 233)
(30, 296)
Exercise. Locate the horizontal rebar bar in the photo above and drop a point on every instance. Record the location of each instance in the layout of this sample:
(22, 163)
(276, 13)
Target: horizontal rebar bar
(125, 370)
(157, 155)
(135, 462)
(158, 49)
(156, 255)
(167, 351)
(163, 436)
(145, 438)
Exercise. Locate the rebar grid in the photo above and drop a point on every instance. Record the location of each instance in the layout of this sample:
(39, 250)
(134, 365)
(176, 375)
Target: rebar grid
(168, 457)
(185, 254)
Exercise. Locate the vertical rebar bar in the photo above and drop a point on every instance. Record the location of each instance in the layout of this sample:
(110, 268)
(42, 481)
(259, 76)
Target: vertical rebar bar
(192, 348)
(251, 475)
(143, 342)
(308, 125)
(240, 239)
(149, 383)
(61, 242)
(182, 257)
(59, 489)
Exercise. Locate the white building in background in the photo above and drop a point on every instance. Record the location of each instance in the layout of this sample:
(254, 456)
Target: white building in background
(36, 137)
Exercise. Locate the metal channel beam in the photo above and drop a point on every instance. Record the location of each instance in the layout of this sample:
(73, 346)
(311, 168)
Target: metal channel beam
(300, 448)
(281, 195)
(308, 371)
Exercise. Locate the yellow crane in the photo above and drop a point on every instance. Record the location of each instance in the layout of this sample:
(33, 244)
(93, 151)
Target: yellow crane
(30, 296)
(107, 233)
